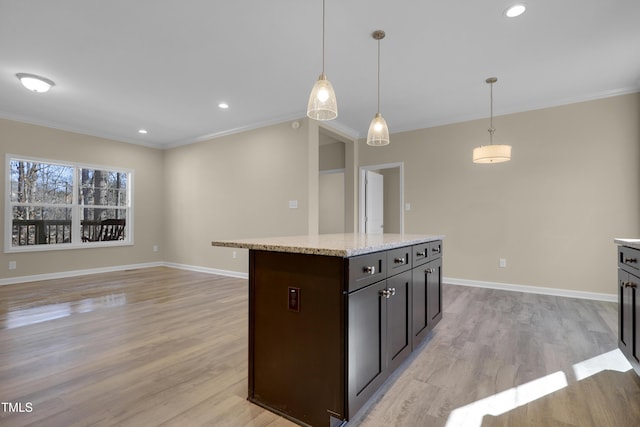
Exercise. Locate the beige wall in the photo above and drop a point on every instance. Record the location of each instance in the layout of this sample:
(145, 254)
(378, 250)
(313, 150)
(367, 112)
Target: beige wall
(332, 155)
(332, 198)
(391, 199)
(37, 141)
(553, 211)
(233, 187)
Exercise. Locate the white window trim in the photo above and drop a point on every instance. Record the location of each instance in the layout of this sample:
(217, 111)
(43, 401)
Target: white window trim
(8, 216)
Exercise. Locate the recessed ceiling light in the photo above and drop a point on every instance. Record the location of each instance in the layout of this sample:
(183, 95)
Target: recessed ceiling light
(142, 131)
(35, 83)
(515, 10)
(223, 105)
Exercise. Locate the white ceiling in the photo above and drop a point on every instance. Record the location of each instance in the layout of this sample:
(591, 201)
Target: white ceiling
(164, 65)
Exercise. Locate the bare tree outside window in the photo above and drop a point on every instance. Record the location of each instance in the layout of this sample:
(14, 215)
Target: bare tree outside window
(57, 204)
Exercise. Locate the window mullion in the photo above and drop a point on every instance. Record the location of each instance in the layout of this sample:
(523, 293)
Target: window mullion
(76, 213)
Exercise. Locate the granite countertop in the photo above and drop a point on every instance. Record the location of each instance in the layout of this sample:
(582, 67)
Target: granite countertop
(631, 243)
(342, 245)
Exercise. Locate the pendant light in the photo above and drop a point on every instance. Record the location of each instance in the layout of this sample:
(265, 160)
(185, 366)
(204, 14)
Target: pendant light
(491, 153)
(322, 101)
(378, 131)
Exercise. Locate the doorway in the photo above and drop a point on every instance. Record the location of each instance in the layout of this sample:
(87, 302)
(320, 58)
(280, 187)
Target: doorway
(392, 198)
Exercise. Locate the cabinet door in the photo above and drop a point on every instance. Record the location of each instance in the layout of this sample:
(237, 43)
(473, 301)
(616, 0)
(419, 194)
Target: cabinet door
(419, 326)
(367, 330)
(434, 292)
(625, 313)
(398, 319)
(634, 288)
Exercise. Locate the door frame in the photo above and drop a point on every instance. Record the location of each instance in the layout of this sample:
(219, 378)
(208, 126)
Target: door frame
(361, 192)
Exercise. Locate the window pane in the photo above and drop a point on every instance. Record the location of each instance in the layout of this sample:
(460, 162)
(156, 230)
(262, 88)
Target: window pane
(103, 188)
(40, 225)
(33, 182)
(103, 224)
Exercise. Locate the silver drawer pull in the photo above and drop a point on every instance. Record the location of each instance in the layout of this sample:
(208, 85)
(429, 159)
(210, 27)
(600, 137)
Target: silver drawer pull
(387, 293)
(399, 260)
(630, 260)
(421, 254)
(630, 285)
(429, 270)
(436, 249)
(370, 269)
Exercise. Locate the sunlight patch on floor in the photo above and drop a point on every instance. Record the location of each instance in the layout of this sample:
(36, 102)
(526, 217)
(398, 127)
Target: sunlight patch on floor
(613, 360)
(471, 415)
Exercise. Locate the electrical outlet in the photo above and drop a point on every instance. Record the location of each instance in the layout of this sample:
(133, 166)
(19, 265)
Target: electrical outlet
(155, 248)
(234, 254)
(12, 265)
(503, 263)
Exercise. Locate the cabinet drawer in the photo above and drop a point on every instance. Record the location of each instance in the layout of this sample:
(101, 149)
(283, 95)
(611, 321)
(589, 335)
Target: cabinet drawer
(420, 253)
(366, 269)
(435, 249)
(629, 257)
(398, 260)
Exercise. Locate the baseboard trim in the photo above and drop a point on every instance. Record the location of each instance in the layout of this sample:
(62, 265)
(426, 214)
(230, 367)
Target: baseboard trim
(532, 289)
(74, 273)
(227, 273)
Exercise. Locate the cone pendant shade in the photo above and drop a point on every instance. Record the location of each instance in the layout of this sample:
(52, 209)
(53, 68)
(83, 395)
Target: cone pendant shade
(378, 134)
(322, 101)
(378, 131)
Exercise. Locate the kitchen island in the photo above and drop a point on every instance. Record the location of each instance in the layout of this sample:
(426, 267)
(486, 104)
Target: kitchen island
(332, 316)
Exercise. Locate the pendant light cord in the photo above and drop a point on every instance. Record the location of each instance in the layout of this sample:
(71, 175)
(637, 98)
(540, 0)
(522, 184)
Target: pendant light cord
(378, 76)
(491, 129)
(323, 14)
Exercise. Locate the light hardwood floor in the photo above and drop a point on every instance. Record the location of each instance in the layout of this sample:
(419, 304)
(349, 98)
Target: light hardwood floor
(168, 347)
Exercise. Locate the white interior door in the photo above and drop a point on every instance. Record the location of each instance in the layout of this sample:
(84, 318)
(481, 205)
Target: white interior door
(374, 203)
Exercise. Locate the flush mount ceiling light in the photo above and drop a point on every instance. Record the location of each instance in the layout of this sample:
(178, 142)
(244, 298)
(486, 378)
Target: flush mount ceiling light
(142, 131)
(35, 83)
(378, 131)
(322, 101)
(515, 10)
(491, 153)
(223, 106)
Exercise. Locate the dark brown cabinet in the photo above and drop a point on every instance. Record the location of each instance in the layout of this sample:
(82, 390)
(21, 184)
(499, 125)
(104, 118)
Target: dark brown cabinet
(427, 290)
(325, 332)
(390, 317)
(629, 305)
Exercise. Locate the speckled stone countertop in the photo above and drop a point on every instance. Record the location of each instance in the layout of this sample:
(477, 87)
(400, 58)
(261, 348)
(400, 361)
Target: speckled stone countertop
(342, 245)
(631, 243)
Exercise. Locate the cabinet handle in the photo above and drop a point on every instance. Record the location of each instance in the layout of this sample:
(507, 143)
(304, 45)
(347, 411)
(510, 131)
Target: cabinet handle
(624, 284)
(385, 293)
(630, 260)
(392, 291)
(399, 260)
(421, 254)
(631, 285)
(369, 269)
(429, 270)
(436, 249)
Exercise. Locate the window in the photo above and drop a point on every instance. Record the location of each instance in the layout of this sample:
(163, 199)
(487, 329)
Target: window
(60, 205)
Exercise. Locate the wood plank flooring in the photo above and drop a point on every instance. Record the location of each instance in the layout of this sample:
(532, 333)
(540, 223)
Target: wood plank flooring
(166, 347)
